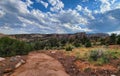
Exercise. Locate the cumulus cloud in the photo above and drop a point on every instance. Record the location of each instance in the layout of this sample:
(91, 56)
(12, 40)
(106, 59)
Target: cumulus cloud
(107, 5)
(72, 24)
(79, 7)
(29, 3)
(117, 32)
(45, 4)
(15, 17)
(107, 22)
(20, 18)
(2, 13)
(88, 13)
(57, 5)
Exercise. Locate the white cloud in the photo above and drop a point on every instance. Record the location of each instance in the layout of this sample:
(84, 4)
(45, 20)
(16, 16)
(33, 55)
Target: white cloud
(2, 13)
(79, 8)
(44, 3)
(88, 12)
(53, 2)
(25, 20)
(116, 5)
(107, 5)
(117, 32)
(76, 28)
(29, 3)
(6, 29)
(15, 5)
(65, 17)
(57, 5)
(22, 7)
(20, 18)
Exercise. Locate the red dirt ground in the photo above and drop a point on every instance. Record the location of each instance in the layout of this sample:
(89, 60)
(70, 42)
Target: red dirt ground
(40, 64)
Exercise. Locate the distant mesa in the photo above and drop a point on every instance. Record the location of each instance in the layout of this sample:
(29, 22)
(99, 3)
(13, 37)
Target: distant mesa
(37, 37)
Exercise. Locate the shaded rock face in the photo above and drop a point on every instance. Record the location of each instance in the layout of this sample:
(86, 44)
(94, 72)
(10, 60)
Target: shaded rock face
(39, 64)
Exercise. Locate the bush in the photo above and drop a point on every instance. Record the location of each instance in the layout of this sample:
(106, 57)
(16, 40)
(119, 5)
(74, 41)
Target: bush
(102, 57)
(102, 60)
(76, 44)
(93, 55)
(88, 44)
(118, 39)
(11, 47)
(68, 48)
(39, 45)
(99, 56)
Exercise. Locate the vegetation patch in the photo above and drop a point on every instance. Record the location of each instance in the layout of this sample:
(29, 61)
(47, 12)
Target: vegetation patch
(102, 57)
(69, 48)
(11, 47)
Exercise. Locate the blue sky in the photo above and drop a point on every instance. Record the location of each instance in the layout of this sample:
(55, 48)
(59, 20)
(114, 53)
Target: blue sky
(59, 16)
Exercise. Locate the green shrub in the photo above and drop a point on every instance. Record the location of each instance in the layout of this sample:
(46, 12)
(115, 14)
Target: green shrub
(99, 56)
(102, 57)
(88, 44)
(39, 45)
(76, 44)
(113, 54)
(93, 55)
(11, 47)
(68, 48)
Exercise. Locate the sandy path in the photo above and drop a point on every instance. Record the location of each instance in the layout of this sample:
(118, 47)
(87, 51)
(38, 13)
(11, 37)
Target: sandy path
(39, 64)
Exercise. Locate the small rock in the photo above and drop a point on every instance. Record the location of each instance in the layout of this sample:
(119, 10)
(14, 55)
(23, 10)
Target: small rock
(18, 56)
(19, 63)
(22, 61)
(1, 59)
(113, 75)
(13, 59)
(53, 52)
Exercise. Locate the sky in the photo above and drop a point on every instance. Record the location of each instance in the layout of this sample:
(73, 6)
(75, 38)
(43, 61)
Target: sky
(59, 16)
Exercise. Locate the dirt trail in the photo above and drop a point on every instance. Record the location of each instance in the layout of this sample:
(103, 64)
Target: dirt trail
(39, 64)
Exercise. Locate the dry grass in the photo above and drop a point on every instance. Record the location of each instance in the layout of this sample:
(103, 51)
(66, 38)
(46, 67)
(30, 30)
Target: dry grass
(82, 52)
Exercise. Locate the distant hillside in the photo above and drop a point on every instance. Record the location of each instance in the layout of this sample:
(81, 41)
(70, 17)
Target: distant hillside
(1, 35)
(36, 37)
